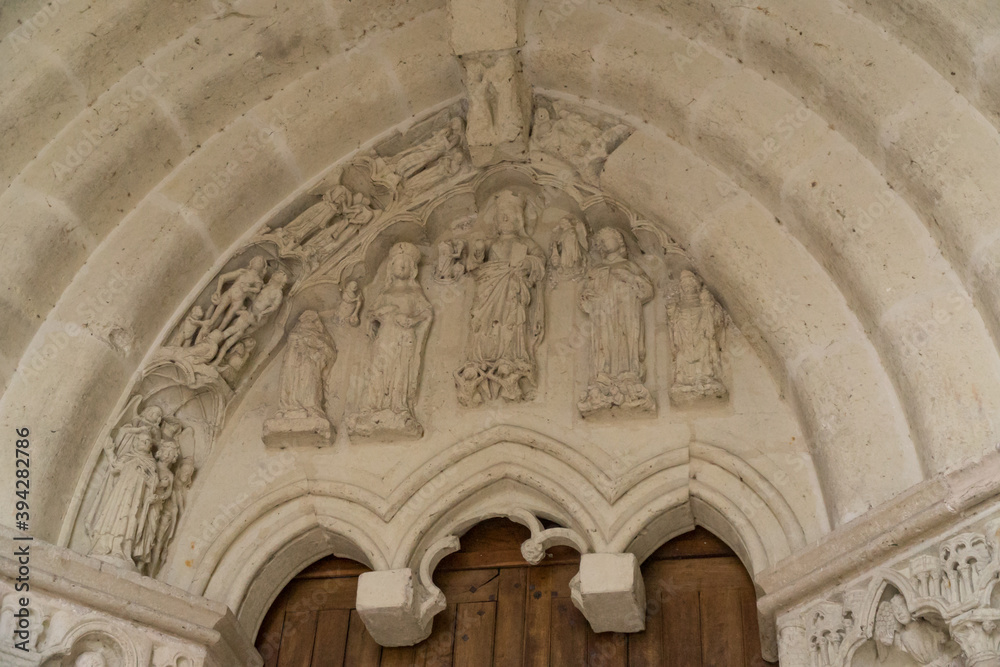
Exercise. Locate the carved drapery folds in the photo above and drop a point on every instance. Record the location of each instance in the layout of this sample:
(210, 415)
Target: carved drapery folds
(613, 294)
(398, 322)
(697, 327)
(935, 608)
(508, 318)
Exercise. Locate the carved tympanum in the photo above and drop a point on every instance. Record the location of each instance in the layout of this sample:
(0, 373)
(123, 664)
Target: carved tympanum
(301, 418)
(507, 313)
(697, 326)
(613, 293)
(398, 322)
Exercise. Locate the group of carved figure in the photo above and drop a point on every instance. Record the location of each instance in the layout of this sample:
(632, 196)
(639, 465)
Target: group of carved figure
(506, 326)
(221, 337)
(135, 514)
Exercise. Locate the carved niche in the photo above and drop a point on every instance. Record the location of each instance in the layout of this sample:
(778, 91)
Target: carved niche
(697, 329)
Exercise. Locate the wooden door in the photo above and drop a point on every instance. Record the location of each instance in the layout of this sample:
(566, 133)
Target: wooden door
(502, 612)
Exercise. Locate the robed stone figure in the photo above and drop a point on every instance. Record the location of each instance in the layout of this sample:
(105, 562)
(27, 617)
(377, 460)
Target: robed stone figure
(398, 322)
(301, 417)
(613, 293)
(507, 314)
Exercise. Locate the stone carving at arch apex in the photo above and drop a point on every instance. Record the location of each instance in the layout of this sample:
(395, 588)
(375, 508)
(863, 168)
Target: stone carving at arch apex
(508, 318)
(398, 322)
(613, 294)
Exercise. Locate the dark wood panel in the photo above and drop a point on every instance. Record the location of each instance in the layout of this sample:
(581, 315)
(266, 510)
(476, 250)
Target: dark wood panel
(695, 574)
(751, 631)
(698, 543)
(330, 646)
(538, 617)
(681, 619)
(319, 594)
(297, 636)
(468, 585)
(645, 649)
(511, 601)
(269, 636)
(400, 656)
(362, 651)
(438, 649)
(607, 649)
(721, 627)
(474, 628)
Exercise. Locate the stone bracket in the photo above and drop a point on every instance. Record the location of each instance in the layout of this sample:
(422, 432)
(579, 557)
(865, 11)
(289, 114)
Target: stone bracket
(610, 593)
(398, 606)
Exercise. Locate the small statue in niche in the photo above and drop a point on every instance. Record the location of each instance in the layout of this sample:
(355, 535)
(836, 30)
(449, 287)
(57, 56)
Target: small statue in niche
(507, 312)
(613, 294)
(476, 256)
(449, 267)
(301, 418)
(927, 644)
(567, 252)
(351, 300)
(697, 327)
(398, 322)
(167, 454)
(498, 115)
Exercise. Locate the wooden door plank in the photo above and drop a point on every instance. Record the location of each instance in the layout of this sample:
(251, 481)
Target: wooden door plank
(538, 618)
(721, 627)
(362, 651)
(568, 626)
(645, 649)
(331, 638)
(320, 594)
(465, 586)
(607, 649)
(297, 638)
(681, 619)
(698, 573)
(511, 600)
(269, 636)
(474, 628)
(437, 650)
(399, 656)
(751, 631)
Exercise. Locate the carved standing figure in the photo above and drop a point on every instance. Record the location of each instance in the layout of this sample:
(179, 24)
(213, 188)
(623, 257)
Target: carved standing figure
(173, 507)
(613, 293)
(895, 627)
(185, 334)
(449, 267)
(507, 313)
(120, 519)
(349, 310)
(398, 322)
(410, 162)
(309, 353)
(697, 325)
(569, 243)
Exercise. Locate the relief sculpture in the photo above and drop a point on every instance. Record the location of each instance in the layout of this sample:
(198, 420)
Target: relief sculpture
(301, 417)
(508, 318)
(613, 293)
(697, 325)
(896, 628)
(137, 507)
(398, 322)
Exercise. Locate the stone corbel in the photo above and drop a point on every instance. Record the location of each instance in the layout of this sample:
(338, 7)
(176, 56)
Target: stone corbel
(398, 606)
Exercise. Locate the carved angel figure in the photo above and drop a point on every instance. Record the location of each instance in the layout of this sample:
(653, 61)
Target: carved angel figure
(398, 322)
(895, 627)
(574, 142)
(309, 352)
(507, 313)
(569, 245)
(697, 324)
(613, 293)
